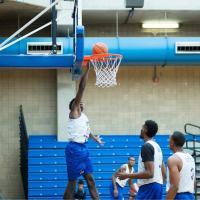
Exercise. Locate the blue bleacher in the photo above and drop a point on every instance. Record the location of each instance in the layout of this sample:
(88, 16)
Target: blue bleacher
(47, 177)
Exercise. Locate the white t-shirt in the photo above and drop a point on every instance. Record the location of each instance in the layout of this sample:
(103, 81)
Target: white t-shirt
(187, 173)
(78, 129)
(158, 159)
(122, 183)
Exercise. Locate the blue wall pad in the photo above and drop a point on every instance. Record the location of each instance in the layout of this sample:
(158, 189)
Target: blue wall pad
(47, 170)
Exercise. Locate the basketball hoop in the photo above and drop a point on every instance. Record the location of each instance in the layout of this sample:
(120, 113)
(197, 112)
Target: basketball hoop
(106, 67)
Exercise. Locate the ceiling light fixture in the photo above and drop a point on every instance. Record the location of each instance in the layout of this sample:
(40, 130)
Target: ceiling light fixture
(160, 25)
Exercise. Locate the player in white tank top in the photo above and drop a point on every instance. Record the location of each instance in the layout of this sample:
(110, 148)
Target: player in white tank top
(151, 169)
(181, 167)
(78, 129)
(117, 185)
(158, 157)
(77, 156)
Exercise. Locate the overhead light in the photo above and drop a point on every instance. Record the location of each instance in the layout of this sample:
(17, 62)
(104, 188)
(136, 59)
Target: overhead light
(160, 25)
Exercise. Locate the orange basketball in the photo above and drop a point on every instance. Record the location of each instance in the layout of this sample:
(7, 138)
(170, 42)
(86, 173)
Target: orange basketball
(99, 48)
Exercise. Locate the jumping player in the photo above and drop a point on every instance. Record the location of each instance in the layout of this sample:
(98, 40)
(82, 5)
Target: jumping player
(77, 155)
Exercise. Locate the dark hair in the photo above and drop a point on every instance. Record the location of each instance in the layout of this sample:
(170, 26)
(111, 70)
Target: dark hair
(178, 138)
(131, 157)
(71, 103)
(152, 128)
(80, 182)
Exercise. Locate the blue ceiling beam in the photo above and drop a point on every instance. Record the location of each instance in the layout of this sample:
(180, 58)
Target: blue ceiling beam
(37, 61)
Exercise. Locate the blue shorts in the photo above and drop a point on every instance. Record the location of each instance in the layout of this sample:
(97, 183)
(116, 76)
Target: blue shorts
(120, 192)
(78, 161)
(184, 196)
(151, 191)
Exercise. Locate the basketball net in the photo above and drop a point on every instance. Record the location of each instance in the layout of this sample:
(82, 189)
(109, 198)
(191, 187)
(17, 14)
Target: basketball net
(106, 67)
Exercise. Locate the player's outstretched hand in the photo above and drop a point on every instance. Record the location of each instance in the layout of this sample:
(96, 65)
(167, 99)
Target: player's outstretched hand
(122, 175)
(99, 140)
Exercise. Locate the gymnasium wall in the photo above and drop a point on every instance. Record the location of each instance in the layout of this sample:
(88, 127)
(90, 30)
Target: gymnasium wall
(172, 102)
(36, 91)
(102, 30)
(135, 30)
(121, 110)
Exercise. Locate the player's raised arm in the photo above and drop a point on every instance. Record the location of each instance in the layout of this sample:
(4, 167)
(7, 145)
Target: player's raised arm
(75, 106)
(82, 85)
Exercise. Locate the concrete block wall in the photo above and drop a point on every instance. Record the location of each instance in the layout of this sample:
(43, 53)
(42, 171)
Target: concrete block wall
(36, 91)
(135, 30)
(172, 102)
(103, 30)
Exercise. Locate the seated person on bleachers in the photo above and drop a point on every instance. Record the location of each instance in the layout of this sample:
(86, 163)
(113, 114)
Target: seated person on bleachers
(117, 185)
(80, 194)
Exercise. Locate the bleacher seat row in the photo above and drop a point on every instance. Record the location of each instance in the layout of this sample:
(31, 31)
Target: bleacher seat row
(47, 177)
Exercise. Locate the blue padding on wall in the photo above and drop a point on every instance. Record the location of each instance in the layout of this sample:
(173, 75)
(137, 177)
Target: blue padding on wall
(47, 170)
(93, 152)
(37, 61)
(80, 43)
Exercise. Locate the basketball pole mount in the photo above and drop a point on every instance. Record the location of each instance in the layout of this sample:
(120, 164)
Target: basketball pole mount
(54, 28)
(79, 53)
(28, 23)
(78, 41)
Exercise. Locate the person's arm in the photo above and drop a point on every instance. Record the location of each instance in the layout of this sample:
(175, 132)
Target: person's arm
(174, 178)
(147, 174)
(130, 183)
(96, 139)
(114, 185)
(147, 154)
(114, 180)
(75, 112)
(163, 172)
(132, 186)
